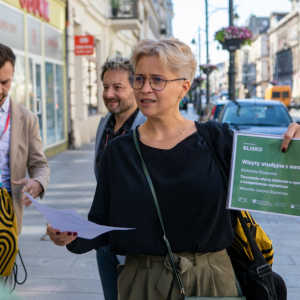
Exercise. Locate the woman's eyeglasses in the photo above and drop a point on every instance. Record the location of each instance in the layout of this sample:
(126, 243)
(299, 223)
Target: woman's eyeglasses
(157, 82)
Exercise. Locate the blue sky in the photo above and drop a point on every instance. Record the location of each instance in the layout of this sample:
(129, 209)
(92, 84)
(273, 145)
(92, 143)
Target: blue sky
(190, 14)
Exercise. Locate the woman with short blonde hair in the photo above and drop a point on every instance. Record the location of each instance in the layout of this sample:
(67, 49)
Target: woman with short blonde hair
(187, 181)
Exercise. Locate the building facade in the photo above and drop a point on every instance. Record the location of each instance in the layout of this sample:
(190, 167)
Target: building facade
(257, 24)
(260, 59)
(35, 30)
(253, 64)
(223, 76)
(284, 52)
(116, 29)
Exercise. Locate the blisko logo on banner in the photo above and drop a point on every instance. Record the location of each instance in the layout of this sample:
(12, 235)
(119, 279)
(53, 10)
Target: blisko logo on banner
(247, 148)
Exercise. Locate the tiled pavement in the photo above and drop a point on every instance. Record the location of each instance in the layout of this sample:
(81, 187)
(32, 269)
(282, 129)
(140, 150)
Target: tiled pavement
(56, 274)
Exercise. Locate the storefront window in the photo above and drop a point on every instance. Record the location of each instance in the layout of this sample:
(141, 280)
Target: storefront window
(34, 36)
(18, 86)
(60, 103)
(38, 81)
(50, 103)
(11, 28)
(54, 103)
(30, 85)
(35, 91)
(38, 103)
(53, 41)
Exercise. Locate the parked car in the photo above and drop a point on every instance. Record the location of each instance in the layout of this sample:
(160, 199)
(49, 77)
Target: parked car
(257, 116)
(224, 95)
(219, 104)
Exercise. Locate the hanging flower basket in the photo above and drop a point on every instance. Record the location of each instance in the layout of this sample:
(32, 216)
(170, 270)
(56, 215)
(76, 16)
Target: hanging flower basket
(197, 82)
(232, 38)
(199, 79)
(207, 69)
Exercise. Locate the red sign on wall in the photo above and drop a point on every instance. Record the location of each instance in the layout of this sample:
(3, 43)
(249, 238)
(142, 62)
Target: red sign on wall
(84, 44)
(38, 7)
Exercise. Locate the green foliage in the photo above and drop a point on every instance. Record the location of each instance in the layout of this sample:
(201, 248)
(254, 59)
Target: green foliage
(115, 3)
(247, 42)
(220, 36)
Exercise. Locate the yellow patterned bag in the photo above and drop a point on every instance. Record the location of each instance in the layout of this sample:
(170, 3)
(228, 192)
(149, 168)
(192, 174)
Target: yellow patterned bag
(8, 234)
(241, 244)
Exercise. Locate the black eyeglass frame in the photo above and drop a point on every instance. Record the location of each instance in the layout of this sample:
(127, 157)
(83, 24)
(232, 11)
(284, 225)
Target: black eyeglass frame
(144, 80)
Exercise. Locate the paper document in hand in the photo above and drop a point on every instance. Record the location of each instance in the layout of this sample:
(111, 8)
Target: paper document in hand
(70, 220)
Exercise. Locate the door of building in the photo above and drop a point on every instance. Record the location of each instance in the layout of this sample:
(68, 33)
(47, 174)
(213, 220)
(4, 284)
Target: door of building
(35, 89)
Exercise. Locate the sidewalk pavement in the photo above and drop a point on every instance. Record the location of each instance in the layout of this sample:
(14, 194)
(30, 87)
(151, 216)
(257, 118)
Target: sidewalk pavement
(190, 113)
(56, 274)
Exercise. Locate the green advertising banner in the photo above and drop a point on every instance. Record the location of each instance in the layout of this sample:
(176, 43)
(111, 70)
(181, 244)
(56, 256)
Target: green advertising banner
(262, 177)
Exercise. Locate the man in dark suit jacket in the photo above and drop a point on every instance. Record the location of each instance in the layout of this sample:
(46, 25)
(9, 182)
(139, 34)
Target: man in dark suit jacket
(123, 115)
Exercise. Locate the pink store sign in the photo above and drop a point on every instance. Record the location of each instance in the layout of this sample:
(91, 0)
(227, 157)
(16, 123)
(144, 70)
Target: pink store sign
(40, 8)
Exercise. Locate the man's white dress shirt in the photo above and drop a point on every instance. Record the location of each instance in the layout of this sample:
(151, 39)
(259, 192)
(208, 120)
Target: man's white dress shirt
(4, 144)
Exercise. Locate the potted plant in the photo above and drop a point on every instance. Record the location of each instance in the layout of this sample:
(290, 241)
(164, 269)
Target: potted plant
(115, 5)
(233, 37)
(208, 68)
(126, 7)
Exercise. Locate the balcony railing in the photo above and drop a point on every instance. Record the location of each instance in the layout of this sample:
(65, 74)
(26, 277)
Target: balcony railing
(125, 16)
(125, 9)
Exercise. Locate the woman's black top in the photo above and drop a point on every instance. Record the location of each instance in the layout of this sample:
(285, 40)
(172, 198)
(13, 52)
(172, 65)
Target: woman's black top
(189, 188)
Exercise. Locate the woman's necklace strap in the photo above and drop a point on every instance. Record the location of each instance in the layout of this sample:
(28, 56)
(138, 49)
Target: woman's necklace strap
(166, 139)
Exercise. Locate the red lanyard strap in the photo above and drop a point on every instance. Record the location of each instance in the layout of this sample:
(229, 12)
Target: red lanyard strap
(7, 123)
(108, 136)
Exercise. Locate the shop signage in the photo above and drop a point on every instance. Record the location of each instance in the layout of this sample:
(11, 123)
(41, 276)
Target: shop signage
(84, 45)
(40, 8)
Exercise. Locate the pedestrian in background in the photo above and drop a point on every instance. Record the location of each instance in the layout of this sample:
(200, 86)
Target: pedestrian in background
(21, 147)
(187, 181)
(123, 115)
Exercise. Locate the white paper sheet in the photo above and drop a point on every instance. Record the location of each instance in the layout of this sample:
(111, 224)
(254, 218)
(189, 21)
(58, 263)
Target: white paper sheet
(70, 220)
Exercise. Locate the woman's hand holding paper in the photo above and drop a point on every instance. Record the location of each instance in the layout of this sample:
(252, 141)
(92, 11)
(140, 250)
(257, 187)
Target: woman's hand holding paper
(292, 132)
(60, 238)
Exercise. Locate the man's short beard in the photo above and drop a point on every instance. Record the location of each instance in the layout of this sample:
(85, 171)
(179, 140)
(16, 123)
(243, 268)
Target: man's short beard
(2, 98)
(123, 106)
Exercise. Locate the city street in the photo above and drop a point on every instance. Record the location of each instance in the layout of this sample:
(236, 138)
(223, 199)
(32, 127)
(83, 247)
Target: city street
(56, 274)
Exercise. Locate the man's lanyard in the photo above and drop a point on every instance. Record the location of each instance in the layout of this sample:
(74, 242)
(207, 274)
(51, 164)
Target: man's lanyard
(6, 127)
(7, 124)
(107, 136)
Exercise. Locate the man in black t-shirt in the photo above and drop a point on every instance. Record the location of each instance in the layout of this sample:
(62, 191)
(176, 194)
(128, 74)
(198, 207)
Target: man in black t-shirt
(123, 115)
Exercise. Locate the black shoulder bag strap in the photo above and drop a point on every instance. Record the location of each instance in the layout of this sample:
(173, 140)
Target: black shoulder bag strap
(158, 212)
(161, 221)
(264, 270)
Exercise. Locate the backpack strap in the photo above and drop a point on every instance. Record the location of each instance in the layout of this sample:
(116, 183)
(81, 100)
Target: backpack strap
(263, 269)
